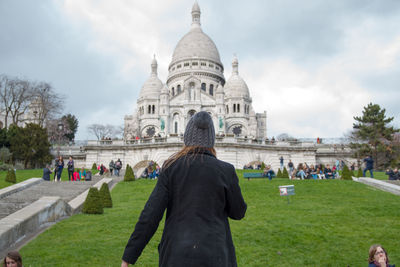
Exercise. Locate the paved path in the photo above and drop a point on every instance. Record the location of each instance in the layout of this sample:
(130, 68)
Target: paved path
(66, 190)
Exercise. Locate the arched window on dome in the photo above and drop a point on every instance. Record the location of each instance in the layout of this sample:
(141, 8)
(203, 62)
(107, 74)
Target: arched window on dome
(153, 109)
(179, 89)
(238, 108)
(173, 91)
(203, 87)
(149, 109)
(211, 89)
(176, 127)
(234, 108)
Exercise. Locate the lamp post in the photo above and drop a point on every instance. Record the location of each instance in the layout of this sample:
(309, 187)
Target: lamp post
(60, 128)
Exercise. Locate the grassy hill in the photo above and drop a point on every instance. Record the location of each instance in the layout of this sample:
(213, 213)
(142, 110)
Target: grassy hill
(327, 223)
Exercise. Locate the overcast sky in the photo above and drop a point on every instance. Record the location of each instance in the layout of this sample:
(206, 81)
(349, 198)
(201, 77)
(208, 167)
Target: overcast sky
(312, 65)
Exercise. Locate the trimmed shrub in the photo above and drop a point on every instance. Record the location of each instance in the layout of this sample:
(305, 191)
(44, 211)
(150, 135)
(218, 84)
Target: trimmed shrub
(346, 173)
(93, 203)
(129, 175)
(279, 174)
(106, 196)
(94, 166)
(262, 166)
(359, 173)
(11, 177)
(285, 173)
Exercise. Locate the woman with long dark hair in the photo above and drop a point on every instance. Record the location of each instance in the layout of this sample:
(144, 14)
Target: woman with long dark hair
(13, 259)
(199, 193)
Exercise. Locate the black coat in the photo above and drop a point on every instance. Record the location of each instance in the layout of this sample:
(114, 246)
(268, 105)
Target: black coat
(199, 196)
(46, 174)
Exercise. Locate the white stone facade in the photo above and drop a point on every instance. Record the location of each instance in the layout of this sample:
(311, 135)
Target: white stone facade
(195, 83)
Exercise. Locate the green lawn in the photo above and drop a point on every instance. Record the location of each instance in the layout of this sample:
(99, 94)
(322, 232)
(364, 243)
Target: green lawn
(23, 175)
(327, 223)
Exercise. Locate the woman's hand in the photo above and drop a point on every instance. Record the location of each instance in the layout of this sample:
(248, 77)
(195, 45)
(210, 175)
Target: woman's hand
(124, 264)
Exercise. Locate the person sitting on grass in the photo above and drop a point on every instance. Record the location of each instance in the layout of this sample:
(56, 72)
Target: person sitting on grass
(320, 173)
(301, 173)
(328, 172)
(393, 174)
(76, 175)
(82, 174)
(13, 259)
(313, 172)
(378, 257)
(46, 173)
(268, 172)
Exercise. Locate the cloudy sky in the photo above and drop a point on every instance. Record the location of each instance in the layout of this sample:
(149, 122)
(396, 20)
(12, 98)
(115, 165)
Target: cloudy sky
(312, 65)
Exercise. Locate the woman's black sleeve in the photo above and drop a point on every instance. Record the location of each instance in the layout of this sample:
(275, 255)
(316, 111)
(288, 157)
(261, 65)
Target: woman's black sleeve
(148, 221)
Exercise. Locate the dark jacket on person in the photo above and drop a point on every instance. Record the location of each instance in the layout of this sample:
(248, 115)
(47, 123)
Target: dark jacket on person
(369, 162)
(371, 264)
(70, 165)
(393, 175)
(46, 174)
(199, 195)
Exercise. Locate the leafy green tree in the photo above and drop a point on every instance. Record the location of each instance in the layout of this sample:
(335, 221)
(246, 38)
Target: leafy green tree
(373, 134)
(30, 145)
(72, 123)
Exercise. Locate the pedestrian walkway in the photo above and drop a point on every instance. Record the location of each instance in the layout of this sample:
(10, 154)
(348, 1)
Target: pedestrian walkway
(385, 185)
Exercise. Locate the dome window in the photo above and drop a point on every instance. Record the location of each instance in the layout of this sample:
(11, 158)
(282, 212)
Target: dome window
(203, 64)
(173, 91)
(234, 108)
(153, 109)
(217, 68)
(195, 63)
(211, 65)
(179, 66)
(227, 109)
(203, 87)
(179, 89)
(211, 89)
(238, 108)
(149, 109)
(186, 64)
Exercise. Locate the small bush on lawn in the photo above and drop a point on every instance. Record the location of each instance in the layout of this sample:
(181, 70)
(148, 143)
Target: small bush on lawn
(129, 175)
(94, 166)
(346, 173)
(10, 177)
(106, 196)
(359, 173)
(93, 203)
(285, 173)
(262, 166)
(279, 174)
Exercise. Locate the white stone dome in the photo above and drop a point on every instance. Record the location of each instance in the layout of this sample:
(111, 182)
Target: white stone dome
(196, 44)
(236, 86)
(152, 87)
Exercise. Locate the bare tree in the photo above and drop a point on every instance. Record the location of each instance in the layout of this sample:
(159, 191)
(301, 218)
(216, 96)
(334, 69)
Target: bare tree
(57, 129)
(101, 131)
(46, 103)
(15, 96)
(18, 96)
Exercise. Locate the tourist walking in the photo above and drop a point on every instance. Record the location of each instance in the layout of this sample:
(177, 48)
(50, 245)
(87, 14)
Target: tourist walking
(281, 162)
(369, 165)
(199, 193)
(111, 166)
(118, 166)
(70, 167)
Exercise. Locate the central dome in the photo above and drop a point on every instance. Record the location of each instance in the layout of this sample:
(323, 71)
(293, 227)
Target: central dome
(196, 44)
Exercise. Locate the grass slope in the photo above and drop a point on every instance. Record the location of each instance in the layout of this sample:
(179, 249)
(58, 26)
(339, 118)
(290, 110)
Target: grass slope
(327, 223)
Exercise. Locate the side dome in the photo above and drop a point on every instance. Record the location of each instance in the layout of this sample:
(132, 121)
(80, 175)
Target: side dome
(152, 87)
(236, 86)
(196, 44)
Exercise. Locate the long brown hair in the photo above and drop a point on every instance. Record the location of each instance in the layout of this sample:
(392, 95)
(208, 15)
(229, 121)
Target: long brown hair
(190, 152)
(372, 251)
(15, 256)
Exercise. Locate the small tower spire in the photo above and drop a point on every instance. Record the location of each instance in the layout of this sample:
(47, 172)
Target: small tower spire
(196, 14)
(154, 66)
(235, 65)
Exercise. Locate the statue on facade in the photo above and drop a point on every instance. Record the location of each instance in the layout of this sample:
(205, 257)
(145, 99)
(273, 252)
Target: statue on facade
(221, 123)
(162, 126)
